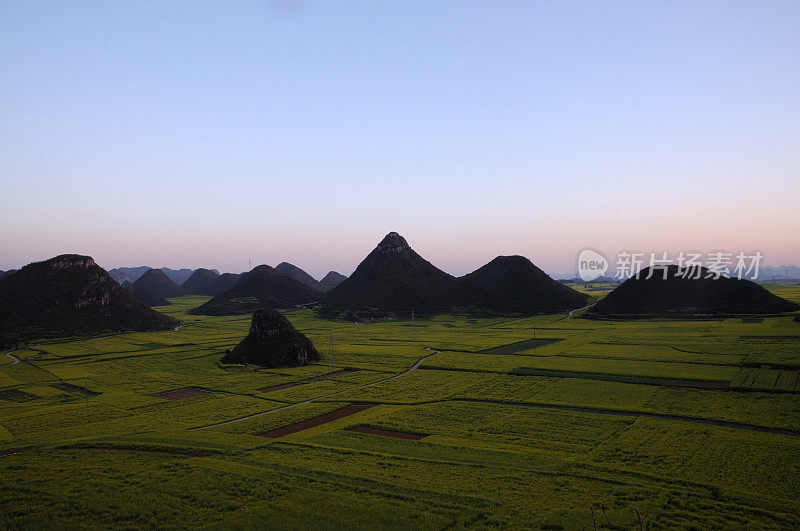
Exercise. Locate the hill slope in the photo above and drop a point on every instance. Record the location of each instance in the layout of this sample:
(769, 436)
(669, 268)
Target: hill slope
(298, 274)
(226, 281)
(69, 295)
(514, 284)
(209, 282)
(263, 287)
(154, 287)
(201, 282)
(331, 280)
(393, 278)
(677, 296)
(273, 342)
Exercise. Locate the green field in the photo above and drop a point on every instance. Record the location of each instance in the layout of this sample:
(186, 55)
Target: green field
(538, 422)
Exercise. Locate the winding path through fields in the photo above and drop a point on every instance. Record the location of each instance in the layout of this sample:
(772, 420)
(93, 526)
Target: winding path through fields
(569, 315)
(14, 359)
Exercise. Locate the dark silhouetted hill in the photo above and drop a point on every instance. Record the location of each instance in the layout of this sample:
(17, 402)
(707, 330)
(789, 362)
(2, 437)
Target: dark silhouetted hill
(514, 284)
(685, 297)
(6, 273)
(201, 282)
(263, 287)
(273, 342)
(154, 287)
(331, 280)
(209, 282)
(227, 280)
(69, 295)
(298, 274)
(393, 278)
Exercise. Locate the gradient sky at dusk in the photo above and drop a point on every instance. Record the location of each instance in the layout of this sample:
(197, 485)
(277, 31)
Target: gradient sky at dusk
(205, 134)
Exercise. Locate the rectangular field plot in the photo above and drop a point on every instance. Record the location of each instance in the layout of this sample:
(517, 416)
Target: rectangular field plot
(15, 395)
(317, 421)
(181, 394)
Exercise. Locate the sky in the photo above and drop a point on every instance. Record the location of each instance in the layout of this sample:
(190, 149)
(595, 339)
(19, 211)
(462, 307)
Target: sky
(218, 134)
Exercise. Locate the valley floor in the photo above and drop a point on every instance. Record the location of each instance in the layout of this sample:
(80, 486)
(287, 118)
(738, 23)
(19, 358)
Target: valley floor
(542, 422)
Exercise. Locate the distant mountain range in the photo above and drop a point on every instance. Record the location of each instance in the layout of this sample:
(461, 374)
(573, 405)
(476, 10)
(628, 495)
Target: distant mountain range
(770, 273)
(132, 274)
(69, 295)
(766, 274)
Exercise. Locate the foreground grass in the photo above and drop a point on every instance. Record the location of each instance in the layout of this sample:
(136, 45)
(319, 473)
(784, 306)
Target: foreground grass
(102, 451)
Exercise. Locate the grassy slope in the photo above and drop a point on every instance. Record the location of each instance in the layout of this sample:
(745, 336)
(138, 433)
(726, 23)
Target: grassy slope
(120, 457)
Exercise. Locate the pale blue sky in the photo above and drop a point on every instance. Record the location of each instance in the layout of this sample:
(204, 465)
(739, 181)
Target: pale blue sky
(210, 133)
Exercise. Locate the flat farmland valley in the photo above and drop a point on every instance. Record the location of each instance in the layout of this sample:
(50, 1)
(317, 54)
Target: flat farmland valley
(441, 421)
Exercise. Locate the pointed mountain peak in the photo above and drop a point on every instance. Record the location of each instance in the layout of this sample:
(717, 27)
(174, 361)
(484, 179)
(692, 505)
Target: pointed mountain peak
(392, 242)
(152, 275)
(298, 274)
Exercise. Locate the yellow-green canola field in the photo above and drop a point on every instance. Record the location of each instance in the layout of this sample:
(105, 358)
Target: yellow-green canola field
(538, 422)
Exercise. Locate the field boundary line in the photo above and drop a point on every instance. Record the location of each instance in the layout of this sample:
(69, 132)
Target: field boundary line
(639, 414)
(310, 400)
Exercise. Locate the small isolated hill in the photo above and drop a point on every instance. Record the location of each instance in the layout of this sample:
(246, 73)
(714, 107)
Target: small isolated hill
(201, 282)
(514, 284)
(263, 287)
(298, 274)
(393, 278)
(273, 342)
(154, 287)
(676, 296)
(68, 295)
(331, 280)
